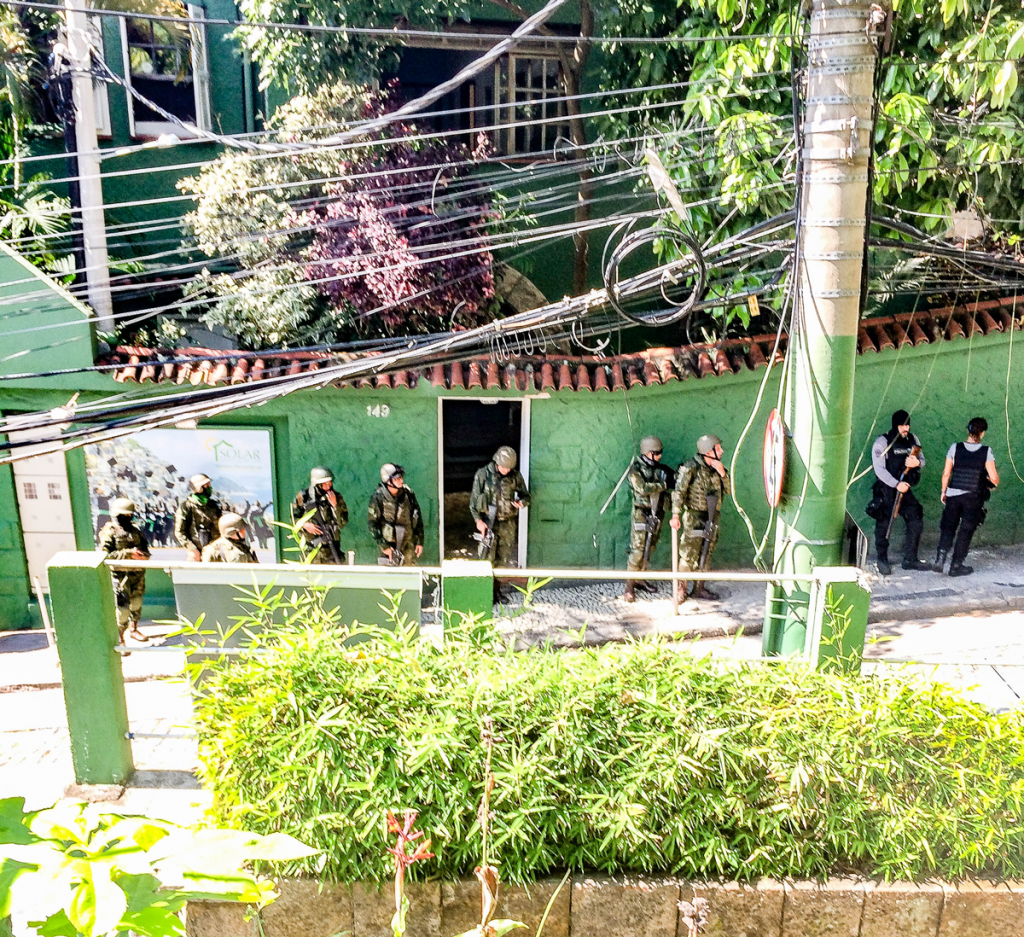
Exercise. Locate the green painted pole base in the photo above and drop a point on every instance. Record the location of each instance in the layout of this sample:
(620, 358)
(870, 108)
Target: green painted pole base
(824, 622)
(467, 587)
(85, 625)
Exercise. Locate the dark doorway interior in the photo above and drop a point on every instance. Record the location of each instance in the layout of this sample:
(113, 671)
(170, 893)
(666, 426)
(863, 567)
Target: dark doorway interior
(473, 431)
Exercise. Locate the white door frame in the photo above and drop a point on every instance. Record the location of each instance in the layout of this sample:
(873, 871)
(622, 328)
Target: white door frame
(524, 464)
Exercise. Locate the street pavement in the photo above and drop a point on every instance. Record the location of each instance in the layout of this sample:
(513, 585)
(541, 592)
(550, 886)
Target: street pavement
(967, 632)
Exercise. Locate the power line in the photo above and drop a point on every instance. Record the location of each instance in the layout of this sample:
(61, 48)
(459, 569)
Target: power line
(404, 33)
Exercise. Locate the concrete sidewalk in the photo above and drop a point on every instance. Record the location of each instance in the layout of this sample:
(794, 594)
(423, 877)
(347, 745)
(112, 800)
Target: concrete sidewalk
(565, 606)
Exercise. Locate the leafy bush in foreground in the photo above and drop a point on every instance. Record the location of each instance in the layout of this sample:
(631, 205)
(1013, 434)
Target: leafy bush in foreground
(625, 757)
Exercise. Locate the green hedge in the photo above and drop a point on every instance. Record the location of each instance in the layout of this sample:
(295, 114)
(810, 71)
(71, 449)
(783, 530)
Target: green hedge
(627, 757)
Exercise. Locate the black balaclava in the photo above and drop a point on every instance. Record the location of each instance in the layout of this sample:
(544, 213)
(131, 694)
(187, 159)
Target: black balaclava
(900, 418)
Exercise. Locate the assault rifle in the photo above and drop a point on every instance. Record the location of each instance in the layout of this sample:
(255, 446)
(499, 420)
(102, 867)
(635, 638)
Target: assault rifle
(651, 527)
(915, 452)
(397, 553)
(707, 535)
(326, 536)
(487, 537)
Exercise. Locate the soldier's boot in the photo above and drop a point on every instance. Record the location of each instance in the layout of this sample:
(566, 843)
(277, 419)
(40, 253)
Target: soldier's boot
(134, 633)
(629, 595)
(959, 569)
(940, 560)
(883, 562)
(700, 591)
(644, 586)
(916, 564)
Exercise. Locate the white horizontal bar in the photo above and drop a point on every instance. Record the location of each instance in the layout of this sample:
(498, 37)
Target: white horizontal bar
(656, 576)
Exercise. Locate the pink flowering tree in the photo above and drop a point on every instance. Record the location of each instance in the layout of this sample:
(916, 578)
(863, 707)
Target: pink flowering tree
(387, 238)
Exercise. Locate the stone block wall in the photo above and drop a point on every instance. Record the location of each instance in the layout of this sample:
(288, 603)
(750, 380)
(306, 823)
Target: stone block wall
(602, 906)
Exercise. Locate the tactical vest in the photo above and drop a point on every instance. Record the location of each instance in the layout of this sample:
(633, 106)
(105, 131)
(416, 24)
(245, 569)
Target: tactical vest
(705, 481)
(651, 473)
(396, 511)
(968, 468)
(899, 449)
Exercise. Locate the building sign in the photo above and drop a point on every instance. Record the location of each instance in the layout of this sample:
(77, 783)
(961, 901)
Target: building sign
(153, 467)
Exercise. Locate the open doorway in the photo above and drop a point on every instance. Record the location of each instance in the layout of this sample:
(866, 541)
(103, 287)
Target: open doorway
(471, 432)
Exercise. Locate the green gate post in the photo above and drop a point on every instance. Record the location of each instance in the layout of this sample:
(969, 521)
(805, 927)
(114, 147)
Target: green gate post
(85, 624)
(467, 586)
(828, 647)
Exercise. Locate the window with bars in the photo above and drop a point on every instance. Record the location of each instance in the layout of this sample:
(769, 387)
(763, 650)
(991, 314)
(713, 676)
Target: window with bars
(53, 491)
(529, 107)
(167, 64)
(30, 490)
(519, 103)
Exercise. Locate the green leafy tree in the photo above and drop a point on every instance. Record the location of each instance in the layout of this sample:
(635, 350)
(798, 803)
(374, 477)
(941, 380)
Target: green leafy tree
(949, 130)
(327, 243)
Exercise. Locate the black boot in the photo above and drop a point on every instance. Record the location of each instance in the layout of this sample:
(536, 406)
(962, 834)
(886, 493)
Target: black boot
(918, 565)
(958, 569)
(940, 561)
(629, 595)
(883, 562)
(645, 586)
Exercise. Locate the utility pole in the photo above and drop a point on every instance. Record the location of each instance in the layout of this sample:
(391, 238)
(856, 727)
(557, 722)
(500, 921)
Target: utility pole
(90, 186)
(830, 244)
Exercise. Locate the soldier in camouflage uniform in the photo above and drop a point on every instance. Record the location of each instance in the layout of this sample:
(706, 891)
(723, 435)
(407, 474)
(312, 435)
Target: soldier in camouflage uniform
(649, 481)
(231, 546)
(500, 485)
(320, 545)
(696, 479)
(394, 508)
(195, 521)
(120, 539)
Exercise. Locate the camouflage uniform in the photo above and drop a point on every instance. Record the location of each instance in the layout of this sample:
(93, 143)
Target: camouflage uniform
(129, 584)
(388, 511)
(491, 487)
(195, 523)
(646, 478)
(694, 481)
(228, 550)
(336, 518)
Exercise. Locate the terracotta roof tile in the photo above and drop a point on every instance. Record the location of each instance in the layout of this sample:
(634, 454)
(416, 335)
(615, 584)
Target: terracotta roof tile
(582, 377)
(546, 373)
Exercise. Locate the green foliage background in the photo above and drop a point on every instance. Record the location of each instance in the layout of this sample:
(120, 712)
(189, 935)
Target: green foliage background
(624, 757)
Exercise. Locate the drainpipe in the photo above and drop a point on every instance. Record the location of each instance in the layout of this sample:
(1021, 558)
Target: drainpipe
(823, 338)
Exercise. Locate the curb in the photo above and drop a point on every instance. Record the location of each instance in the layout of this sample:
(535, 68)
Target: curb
(639, 906)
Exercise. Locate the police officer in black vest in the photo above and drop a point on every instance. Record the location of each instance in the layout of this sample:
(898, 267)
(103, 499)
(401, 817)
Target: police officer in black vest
(897, 460)
(969, 475)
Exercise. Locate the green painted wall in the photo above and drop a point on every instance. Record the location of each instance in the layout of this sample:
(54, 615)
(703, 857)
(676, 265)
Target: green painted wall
(581, 442)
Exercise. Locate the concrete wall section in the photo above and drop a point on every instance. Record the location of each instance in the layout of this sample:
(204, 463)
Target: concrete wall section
(589, 906)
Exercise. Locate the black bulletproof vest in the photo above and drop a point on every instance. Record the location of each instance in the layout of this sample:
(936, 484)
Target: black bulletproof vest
(968, 468)
(899, 448)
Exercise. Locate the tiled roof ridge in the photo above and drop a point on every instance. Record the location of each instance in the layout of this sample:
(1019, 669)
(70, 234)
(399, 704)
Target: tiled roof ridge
(546, 372)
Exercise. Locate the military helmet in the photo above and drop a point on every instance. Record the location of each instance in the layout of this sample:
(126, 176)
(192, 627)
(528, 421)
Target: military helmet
(320, 474)
(121, 506)
(706, 444)
(229, 523)
(650, 444)
(389, 470)
(198, 482)
(505, 457)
